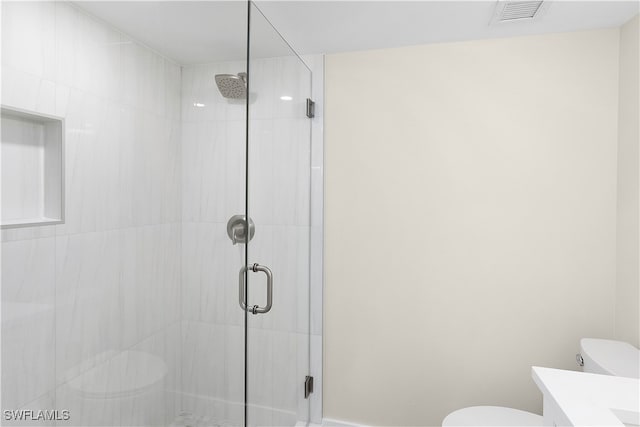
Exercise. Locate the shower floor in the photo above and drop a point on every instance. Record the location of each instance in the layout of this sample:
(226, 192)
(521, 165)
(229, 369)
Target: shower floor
(186, 419)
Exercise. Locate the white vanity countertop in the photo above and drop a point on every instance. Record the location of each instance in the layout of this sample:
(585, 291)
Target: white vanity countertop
(591, 399)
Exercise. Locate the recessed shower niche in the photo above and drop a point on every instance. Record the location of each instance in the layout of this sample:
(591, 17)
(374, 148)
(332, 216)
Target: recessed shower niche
(32, 168)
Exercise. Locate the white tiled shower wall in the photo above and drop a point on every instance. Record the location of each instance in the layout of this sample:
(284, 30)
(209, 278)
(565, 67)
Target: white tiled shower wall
(143, 265)
(103, 288)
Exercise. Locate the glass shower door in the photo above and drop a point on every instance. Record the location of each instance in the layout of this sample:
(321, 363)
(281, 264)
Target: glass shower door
(278, 202)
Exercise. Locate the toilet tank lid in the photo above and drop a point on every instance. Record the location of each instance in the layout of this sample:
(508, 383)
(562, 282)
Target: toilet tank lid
(616, 357)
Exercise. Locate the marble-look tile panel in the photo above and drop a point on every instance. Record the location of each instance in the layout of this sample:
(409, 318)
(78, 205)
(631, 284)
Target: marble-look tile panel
(122, 167)
(156, 171)
(285, 250)
(273, 79)
(204, 171)
(85, 120)
(26, 233)
(28, 298)
(132, 388)
(28, 91)
(173, 91)
(292, 171)
(210, 272)
(46, 402)
(236, 158)
(89, 309)
(150, 270)
(113, 290)
(213, 361)
(213, 171)
(262, 162)
(201, 99)
(279, 171)
(277, 365)
(114, 285)
(33, 25)
(144, 75)
(113, 404)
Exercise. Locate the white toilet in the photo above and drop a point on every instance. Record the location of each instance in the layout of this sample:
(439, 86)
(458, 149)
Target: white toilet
(492, 416)
(598, 356)
(609, 357)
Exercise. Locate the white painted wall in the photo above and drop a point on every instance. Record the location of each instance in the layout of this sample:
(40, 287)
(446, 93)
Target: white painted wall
(470, 221)
(628, 257)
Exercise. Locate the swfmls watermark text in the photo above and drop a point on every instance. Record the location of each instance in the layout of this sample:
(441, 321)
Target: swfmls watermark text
(36, 415)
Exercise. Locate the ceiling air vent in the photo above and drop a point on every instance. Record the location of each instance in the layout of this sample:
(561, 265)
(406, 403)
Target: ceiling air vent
(509, 11)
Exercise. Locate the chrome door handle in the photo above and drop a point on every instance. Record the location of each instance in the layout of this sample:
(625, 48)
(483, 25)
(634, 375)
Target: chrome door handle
(243, 288)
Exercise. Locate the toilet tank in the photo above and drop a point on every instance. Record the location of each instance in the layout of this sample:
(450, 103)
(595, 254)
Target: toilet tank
(610, 357)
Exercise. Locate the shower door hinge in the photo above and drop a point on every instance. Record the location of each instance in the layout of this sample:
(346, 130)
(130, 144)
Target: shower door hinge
(311, 108)
(308, 386)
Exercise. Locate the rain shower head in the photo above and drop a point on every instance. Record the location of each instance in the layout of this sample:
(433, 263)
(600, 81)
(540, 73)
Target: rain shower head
(232, 86)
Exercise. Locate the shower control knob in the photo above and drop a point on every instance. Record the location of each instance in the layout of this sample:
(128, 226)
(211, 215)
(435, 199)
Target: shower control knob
(237, 229)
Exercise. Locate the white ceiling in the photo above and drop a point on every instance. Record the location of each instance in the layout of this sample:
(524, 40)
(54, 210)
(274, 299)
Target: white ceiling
(189, 32)
(204, 31)
(340, 26)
